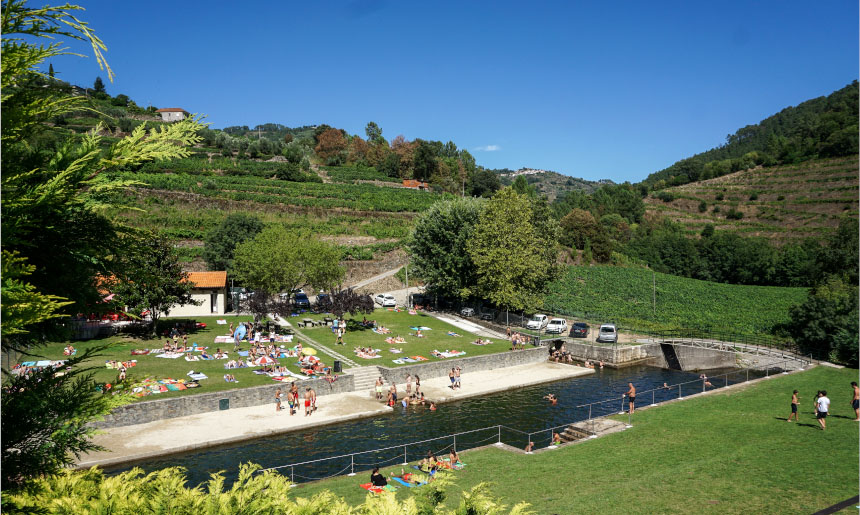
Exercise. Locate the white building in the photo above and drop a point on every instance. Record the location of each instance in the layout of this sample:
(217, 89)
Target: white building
(173, 114)
(210, 289)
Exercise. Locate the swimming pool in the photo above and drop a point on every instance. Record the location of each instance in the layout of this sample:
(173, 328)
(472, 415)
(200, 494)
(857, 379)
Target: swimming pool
(523, 409)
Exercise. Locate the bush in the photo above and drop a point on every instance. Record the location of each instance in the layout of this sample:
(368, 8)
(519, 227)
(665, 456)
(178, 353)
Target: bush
(666, 196)
(716, 209)
(703, 206)
(754, 196)
(719, 196)
(734, 214)
(780, 198)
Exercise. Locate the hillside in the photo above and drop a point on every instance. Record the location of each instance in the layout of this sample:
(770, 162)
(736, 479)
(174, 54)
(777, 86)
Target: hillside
(626, 296)
(781, 203)
(823, 127)
(549, 183)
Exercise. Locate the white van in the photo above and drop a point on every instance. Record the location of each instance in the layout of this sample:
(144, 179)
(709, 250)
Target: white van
(607, 333)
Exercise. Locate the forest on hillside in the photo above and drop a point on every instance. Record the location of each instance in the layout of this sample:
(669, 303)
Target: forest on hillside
(818, 128)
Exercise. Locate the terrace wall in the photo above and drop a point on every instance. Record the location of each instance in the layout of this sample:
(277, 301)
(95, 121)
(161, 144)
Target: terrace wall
(192, 404)
(470, 364)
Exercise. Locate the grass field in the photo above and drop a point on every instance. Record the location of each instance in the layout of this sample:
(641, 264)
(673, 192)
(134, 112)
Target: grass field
(162, 368)
(625, 295)
(401, 324)
(728, 452)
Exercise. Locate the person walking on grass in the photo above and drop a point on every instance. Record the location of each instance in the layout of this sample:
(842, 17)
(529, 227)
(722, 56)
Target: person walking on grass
(855, 400)
(823, 405)
(794, 402)
(631, 397)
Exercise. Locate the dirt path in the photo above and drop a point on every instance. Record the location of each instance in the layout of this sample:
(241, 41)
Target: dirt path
(383, 275)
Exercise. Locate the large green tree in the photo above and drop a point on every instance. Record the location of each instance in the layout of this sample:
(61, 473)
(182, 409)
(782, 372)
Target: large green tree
(514, 257)
(438, 247)
(151, 278)
(826, 325)
(221, 240)
(277, 260)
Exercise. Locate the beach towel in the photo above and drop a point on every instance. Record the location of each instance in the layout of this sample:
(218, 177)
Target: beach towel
(398, 361)
(198, 376)
(171, 355)
(406, 483)
(243, 353)
(43, 363)
(396, 351)
(419, 358)
(370, 488)
(28, 364)
(481, 342)
(421, 328)
(221, 321)
(452, 333)
(192, 358)
(172, 387)
(140, 352)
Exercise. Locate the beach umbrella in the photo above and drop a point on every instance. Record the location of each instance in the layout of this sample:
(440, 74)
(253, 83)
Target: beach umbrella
(265, 360)
(307, 351)
(240, 332)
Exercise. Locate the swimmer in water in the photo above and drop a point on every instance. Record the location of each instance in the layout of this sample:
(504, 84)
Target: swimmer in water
(553, 400)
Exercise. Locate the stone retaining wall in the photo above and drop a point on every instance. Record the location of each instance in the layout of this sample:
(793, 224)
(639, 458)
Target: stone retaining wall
(468, 364)
(192, 404)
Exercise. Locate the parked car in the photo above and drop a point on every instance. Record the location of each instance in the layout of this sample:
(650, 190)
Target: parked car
(385, 300)
(301, 301)
(556, 326)
(467, 312)
(537, 322)
(579, 330)
(607, 333)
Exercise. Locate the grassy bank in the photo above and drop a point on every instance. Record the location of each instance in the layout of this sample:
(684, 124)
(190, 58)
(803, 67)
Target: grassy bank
(728, 452)
(636, 297)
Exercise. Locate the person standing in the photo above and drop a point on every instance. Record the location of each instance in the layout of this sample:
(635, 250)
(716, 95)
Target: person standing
(417, 384)
(457, 377)
(379, 385)
(794, 401)
(451, 377)
(631, 396)
(278, 395)
(823, 404)
(408, 384)
(307, 401)
(313, 400)
(855, 401)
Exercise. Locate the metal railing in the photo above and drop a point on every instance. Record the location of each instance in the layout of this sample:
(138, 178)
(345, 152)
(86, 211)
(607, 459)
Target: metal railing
(583, 413)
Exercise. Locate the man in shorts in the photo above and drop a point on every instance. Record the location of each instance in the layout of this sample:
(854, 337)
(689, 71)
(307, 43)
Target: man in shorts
(408, 384)
(457, 377)
(855, 401)
(451, 377)
(823, 405)
(313, 400)
(631, 396)
(379, 385)
(307, 401)
(794, 400)
(278, 400)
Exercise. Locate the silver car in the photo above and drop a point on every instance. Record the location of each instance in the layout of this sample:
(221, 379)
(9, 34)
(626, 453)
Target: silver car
(607, 333)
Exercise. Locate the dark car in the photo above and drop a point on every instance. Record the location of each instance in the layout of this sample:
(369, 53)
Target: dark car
(579, 330)
(301, 301)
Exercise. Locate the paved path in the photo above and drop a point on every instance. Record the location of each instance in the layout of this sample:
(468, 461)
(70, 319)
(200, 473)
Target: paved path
(180, 434)
(317, 345)
(466, 325)
(375, 278)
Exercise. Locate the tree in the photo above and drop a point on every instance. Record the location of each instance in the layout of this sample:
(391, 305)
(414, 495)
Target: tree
(577, 227)
(438, 247)
(513, 261)
(484, 183)
(425, 164)
(826, 325)
(56, 237)
(373, 132)
(277, 260)
(391, 165)
(51, 70)
(331, 146)
(220, 242)
(99, 86)
(341, 301)
(152, 278)
(522, 186)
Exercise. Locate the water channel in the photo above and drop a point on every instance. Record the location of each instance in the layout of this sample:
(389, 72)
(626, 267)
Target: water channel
(523, 410)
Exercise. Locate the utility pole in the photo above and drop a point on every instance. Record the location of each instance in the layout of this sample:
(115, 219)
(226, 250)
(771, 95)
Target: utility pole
(654, 292)
(408, 300)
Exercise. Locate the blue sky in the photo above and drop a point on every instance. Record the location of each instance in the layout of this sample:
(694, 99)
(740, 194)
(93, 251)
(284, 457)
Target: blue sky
(589, 89)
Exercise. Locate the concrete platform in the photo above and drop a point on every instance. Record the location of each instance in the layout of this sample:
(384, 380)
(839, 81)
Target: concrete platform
(181, 434)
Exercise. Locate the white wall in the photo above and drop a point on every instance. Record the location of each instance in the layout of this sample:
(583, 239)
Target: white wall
(205, 307)
(172, 116)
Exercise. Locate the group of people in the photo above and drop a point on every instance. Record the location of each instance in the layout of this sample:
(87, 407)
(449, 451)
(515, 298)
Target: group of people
(410, 398)
(518, 341)
(430, 465)
(454, 376)
(821, 405)
(294, 400)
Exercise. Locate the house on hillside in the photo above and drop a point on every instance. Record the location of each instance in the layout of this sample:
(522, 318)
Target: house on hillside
(173, 114)
(416, 185)
(210, 288)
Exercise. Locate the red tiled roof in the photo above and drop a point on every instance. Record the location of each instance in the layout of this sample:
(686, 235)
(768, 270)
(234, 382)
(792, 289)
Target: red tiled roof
(412, 183)
(171, 110)
(208, 279)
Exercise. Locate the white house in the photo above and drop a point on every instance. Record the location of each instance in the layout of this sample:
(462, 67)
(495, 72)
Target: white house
(210, 288)
(173, 114)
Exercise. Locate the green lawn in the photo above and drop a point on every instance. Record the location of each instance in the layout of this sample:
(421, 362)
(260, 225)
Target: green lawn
(729, 452)
(160, 368)
(401, 324)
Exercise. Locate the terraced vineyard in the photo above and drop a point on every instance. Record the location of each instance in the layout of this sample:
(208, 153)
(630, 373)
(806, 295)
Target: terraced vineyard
(624, 296)
(780, 203)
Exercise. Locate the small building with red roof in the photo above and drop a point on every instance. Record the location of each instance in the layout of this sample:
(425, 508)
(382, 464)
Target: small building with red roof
(210, 289)
(173, 114)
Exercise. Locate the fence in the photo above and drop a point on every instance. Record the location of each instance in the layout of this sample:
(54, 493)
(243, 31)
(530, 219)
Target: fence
(585, 415)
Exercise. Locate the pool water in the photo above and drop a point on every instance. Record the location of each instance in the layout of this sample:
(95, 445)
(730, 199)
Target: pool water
(523, 410)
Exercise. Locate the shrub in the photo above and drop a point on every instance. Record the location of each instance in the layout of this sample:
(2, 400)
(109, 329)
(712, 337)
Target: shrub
(719, 196)
(780, 198)
(703, 206)
(666, 196)
(754, 196)
(716, 209)
(734, 214)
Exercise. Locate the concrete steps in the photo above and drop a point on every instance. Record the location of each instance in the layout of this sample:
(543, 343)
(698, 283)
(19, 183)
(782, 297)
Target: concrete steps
(364, 378)
(573, 433)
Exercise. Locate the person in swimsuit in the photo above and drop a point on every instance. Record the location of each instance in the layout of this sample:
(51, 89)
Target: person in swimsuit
(794, 400)
(432, 406)
(529, 447)
(553, 400)
(451, 377)
(408, 384)
(417, 385)
(307, 401)
(855, 401)
(457, 378)
(313, 400)
(631, 396)
(556, 439)
(294, 391)
(278, 395)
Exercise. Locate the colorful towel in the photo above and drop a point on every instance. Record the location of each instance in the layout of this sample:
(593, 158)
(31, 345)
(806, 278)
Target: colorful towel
(419, 358)
(140, 352)
(243, 353)
(171, 355)
(370, 488)
(192, 358)
(406, 483)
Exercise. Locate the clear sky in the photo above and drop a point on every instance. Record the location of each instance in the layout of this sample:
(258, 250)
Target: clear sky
(590, 89)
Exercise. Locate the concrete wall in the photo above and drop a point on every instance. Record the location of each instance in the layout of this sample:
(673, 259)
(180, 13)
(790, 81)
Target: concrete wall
(468, 364)
(192, 404)
(205, 307)
(691, 358)
(697, 358)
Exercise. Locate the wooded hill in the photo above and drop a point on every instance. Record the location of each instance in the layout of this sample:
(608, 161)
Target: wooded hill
(550, 184)
(823, 127)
